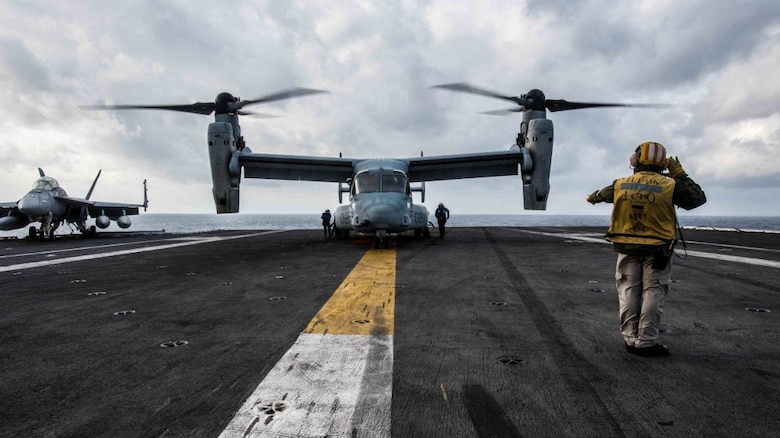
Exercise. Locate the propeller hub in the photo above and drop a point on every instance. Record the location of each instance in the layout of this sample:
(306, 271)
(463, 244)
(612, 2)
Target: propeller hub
(536, 99)
(224, 103)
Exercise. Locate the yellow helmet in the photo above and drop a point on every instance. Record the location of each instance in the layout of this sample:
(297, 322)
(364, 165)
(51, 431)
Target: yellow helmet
(651, 154)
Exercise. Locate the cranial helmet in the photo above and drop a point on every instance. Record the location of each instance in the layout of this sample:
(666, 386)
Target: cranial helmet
(649, 154)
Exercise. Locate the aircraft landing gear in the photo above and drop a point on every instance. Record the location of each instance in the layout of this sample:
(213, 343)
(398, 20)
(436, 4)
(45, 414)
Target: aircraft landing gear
(381, 239)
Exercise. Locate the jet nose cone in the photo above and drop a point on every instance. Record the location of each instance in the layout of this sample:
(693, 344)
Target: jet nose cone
(34, 204)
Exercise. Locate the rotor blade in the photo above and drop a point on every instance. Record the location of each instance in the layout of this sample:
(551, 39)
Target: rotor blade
(466, 88)
(204, 108)
(286, 94)
(562, 105)
(256, 115)
(503, 112)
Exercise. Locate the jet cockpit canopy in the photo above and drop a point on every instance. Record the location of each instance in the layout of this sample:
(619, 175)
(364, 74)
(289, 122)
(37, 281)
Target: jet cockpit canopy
(45, 183)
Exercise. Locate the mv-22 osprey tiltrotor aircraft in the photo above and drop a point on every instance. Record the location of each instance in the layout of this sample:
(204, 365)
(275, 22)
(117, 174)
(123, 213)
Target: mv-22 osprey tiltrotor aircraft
(380, 189)
(48, 204)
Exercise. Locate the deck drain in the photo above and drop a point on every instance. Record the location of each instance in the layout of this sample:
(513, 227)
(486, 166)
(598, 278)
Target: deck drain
(124, 312)
(162, 266)
(499, 303)
(593, 281)
(597, 291)
(277, 298)
(758, 309)
(279, 277)
(190, 273)
(168, 344)
(226, 283)
(93, 294)
(361, 321)
(78, 281)
(510, 360)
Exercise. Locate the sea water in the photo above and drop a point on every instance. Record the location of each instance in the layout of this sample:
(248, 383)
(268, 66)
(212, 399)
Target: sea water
(192, 223)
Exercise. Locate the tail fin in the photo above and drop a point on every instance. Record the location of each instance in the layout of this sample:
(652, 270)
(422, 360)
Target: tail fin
(89, 193)
(146, 200)
(40, 172)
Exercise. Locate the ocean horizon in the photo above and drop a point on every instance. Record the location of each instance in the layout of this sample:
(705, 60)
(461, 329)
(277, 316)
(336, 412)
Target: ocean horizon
(193, 223)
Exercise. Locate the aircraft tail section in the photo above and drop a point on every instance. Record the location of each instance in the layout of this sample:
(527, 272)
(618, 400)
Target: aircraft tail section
(536, 180)
(92, 187)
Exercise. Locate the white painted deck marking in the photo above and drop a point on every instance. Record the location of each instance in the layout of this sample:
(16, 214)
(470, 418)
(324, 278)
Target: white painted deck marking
(702, 254)
(196, 241)
(336, 380)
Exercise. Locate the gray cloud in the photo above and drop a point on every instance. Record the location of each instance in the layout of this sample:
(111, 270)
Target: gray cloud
(714, 61)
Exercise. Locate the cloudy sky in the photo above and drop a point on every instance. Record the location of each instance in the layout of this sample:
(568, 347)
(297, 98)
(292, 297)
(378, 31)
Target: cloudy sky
(716, 62)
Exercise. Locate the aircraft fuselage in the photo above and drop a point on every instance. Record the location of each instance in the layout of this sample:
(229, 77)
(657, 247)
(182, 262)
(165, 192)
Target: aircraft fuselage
(39, 204)
(380, 201)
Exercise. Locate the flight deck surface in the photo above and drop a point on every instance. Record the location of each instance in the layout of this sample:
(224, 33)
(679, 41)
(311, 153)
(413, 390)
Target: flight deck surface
(489, 332)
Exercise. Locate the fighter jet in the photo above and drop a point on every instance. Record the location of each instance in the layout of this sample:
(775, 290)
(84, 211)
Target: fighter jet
(48, 204)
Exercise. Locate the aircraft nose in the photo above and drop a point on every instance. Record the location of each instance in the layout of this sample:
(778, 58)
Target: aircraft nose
(381, 214)
(34, 204)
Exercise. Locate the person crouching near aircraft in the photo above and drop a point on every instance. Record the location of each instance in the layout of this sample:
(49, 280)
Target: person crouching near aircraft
(442, 214)
(326, 224)
(642, 230)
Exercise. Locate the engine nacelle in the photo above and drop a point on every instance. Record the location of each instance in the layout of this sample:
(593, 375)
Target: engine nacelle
(222, 147)
(536, 182)
(102, 221)
(124, 221)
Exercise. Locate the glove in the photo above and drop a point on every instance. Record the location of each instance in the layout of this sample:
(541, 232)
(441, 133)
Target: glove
(675, 168)
(593, 197)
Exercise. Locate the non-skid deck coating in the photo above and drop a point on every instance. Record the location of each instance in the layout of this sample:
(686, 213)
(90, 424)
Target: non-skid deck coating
(493, 332)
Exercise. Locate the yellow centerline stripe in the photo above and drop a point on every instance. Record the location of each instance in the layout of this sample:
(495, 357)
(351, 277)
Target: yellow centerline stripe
(364, 304)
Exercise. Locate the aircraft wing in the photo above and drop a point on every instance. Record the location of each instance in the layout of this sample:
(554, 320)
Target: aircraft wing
(97, 208)
(476, 165)
(6, 207)
(296, 167)
(112, 209)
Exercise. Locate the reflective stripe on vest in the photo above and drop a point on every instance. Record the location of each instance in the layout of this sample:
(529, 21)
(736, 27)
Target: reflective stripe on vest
(643, 212)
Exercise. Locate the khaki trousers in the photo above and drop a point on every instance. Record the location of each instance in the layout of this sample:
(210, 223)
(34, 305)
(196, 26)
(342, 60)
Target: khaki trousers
(641, 292)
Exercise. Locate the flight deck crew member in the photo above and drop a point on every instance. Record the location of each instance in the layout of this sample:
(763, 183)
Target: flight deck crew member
(442, 214)
(326, 224)
(642, 231)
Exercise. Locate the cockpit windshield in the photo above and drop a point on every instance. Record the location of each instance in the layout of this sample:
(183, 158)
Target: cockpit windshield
(45, 183)
(365, 183)
(372, 183)
(394, 183)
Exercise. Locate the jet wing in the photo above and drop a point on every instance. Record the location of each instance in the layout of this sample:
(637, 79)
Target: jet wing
(97, 208)
(6, 207)
(475, 165)
(112, 209)
(296, 167)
